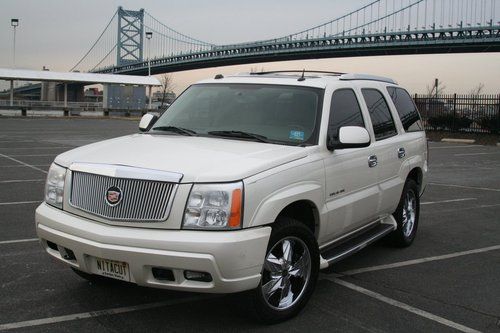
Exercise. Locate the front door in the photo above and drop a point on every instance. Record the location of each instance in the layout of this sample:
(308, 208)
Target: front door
(351, 183)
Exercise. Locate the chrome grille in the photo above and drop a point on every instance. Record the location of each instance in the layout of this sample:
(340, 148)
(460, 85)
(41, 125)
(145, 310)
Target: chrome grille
(142, 200)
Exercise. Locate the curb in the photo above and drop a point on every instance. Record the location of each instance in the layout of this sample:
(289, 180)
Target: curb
(459, 140)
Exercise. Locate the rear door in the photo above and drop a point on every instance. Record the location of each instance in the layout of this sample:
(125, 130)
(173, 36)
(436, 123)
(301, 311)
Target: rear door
(388, 149)
(351, 184)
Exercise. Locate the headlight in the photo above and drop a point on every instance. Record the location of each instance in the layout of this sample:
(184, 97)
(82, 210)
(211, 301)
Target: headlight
(54, 187)
(214, 207)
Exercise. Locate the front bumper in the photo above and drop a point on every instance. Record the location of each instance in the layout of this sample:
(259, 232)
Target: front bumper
(234, 259)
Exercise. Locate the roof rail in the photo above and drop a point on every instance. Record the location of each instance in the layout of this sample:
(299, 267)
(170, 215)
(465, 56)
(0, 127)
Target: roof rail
(300, 71)
(366, 77)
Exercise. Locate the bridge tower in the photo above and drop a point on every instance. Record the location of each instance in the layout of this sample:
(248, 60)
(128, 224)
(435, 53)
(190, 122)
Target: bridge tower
(130, 36)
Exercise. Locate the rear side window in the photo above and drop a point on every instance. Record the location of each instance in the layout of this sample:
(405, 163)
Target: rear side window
(383, 124)
(344, 111)
(407, 110)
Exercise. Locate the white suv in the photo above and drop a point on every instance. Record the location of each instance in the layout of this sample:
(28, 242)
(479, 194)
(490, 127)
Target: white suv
(252, 182)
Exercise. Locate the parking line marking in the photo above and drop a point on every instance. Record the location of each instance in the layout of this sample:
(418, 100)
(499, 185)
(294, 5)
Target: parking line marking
(58, 147)
(419, 261)
(403, 306)
(17, 165)
(467, 187)
(15, 241)
(25, 164)
(32, 155)
(473, 154)
(21, 181)
(105, 312)
(446, 201)
(18, 202)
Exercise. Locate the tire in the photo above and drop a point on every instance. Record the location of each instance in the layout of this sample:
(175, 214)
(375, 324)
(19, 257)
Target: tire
(406, 215)
(291, 263)
(92, 278)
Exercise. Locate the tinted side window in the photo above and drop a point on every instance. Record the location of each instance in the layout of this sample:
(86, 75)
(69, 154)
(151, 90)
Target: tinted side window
(383, 124)
(344, 111)
(407, 110)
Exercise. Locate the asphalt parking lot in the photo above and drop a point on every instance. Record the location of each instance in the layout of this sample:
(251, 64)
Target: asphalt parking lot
(448, 280)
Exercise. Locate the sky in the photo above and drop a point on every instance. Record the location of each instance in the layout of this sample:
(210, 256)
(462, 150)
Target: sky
(56, 33)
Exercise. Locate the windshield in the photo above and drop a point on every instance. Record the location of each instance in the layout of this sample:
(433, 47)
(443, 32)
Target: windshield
(266, 113)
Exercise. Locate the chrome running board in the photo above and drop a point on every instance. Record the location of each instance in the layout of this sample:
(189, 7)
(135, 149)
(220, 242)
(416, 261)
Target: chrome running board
(346, 247)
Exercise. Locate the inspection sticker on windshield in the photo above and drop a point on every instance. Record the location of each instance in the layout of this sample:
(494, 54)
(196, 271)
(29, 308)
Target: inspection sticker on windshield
(296, 135)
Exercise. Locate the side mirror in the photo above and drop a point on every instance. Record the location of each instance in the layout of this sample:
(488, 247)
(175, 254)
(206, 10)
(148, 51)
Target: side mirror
(350, 137)
(147, 121)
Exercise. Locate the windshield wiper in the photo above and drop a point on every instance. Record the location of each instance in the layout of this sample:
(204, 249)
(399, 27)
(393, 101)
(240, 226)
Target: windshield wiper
(240, 134)
(175, 129)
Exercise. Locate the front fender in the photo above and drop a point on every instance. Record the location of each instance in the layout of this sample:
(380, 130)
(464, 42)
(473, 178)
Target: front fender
(266, 196)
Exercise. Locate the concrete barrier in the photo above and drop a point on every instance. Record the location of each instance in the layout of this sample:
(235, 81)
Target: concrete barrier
(469, 141)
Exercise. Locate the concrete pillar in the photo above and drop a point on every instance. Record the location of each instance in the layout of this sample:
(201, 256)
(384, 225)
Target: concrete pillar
(149, 104)
(11, 92)
(65, 95)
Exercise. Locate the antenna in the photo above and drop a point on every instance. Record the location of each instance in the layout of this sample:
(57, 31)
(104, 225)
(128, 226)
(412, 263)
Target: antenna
(302, 78)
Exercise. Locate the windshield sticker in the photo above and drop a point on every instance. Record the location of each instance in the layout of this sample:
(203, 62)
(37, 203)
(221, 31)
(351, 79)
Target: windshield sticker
(296, 135)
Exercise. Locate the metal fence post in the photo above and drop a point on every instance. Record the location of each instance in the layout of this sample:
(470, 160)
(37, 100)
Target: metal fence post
(498, 116)
(454, 110)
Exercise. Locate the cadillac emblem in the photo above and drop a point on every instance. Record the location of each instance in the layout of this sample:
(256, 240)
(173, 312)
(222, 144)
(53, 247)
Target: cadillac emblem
(113, 196)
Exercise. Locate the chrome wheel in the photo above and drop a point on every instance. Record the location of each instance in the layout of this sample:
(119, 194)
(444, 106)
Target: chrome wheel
(286, 273)
(409, 213)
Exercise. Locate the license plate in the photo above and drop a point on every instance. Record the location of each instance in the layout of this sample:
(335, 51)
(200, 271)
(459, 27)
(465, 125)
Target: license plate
(113, 269)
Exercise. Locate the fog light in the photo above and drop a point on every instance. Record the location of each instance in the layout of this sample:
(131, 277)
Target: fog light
(198, 276)
(163, 274)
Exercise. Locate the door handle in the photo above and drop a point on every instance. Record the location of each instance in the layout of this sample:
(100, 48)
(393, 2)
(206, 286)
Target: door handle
(372, 161)
(401, 153)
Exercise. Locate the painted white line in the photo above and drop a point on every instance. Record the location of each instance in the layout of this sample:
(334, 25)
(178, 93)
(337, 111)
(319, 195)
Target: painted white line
(27, 155)
(419, 261)
(105, 312)
(451, 147)
(403, 306)
(21, 166)
(25, 164)
(446, 201)
(14, 241)
(21, 181)
(60, 147)
(467, 187)
(19, 203)
(474, 154)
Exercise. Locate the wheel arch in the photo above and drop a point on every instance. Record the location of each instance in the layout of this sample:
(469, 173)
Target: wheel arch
(417, 175)
(304, 211)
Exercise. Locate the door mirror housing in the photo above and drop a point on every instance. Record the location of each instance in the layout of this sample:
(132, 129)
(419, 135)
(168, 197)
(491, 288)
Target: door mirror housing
(349, 137)
(147, 121)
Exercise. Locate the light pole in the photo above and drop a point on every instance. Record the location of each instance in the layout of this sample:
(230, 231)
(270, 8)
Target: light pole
(149, 35)
(14, 23)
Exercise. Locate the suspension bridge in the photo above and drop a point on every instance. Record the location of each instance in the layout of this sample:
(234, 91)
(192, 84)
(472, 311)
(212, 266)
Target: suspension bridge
(381, 27)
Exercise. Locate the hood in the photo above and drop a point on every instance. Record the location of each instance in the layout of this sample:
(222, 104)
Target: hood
(199, 159)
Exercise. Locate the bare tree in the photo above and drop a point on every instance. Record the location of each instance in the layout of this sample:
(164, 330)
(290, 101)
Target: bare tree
(167, 85)
(436, 88)
(477, 90)
(256, 69)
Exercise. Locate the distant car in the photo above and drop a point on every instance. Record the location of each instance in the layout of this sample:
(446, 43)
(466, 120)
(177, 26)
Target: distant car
(251, 182)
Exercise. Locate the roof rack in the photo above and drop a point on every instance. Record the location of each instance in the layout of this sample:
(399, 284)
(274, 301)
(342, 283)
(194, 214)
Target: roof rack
(366, 77)
(297, 71)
